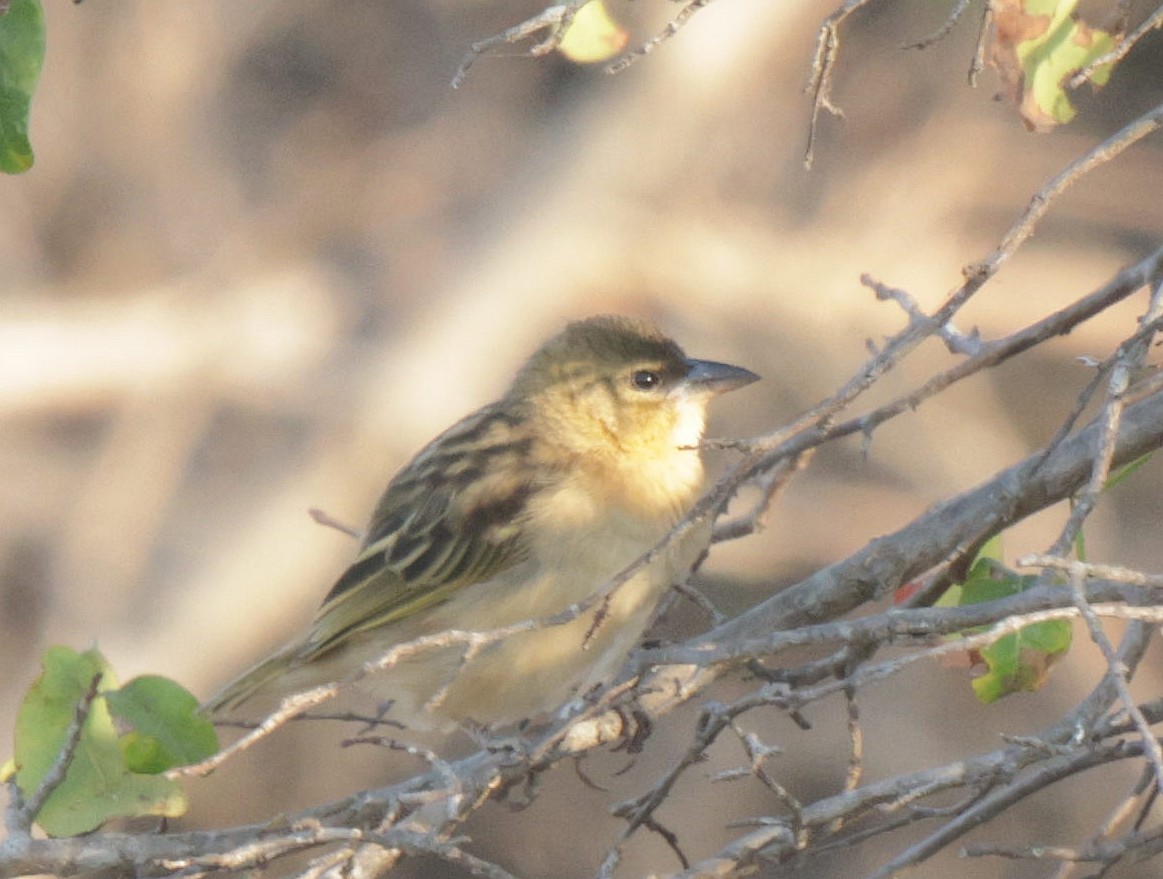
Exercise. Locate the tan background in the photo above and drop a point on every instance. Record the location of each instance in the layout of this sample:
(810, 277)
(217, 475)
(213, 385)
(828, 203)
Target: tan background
(266, 252)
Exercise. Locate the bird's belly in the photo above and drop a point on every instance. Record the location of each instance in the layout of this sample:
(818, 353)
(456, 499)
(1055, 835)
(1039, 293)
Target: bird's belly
(530, 672)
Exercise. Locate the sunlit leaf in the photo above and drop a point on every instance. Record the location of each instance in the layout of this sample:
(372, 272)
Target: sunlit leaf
(593, 36)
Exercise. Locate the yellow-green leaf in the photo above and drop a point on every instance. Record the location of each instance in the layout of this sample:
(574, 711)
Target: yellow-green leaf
(1018, 661)
(98, 785)
(1036, 45)
(593, 35)
(1022, 661)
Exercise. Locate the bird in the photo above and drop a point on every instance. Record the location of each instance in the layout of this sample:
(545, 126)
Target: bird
(520, 511)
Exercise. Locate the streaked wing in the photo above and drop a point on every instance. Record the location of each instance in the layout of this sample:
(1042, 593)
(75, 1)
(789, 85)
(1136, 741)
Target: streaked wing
(450, 519)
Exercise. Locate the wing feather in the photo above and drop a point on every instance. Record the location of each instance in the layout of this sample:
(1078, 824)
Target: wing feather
(452, 518)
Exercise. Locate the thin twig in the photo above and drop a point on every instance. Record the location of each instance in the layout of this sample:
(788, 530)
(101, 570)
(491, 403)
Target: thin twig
(554, 21)
(797, 437)
(59, 769)
(1119, 673)
(322, 517)
(1023, 228)
(1119, 815)
(940, 33)
(672, 27)
(820, 81)
(1052, 770)
(1089, 571)
(999, 767)
(290, 707)
(978, 63)
(1120, 50)
(770, 485)
(956, 341)
(449, 852)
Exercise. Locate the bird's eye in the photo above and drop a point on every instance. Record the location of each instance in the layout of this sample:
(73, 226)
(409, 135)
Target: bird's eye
(645, 379)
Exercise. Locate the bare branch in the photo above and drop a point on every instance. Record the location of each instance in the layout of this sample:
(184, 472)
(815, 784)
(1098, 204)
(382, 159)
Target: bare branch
(823, 62)
(672, 27)
(978, 63)
(1120, 51)
(322, 517)
(940, 33)
(23, 810)
(553, 21)
(1023, 228)
(1087, 571)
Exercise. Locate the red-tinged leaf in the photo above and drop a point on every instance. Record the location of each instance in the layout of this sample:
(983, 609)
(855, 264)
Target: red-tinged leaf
(1022, 661)
(1015, 662)
(1035, 46)
(907, 591)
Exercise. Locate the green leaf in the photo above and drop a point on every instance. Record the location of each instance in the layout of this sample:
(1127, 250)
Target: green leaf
(1036, 46)
(166, 729)
(98, 785)
(1022, 660)
(988, 557)
(21, 58)
(988, 581)
(1019, 661)
(1066, 46)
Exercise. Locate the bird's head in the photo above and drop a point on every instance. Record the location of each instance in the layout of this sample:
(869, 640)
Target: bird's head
(613, 386)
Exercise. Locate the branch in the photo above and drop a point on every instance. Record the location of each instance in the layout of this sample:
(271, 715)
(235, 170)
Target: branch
(1023, 228)
(820, 82)
(553, 21)
(22, 811)
(1034, 768)
(1119, 52)
(672, 27)
(1013, 494)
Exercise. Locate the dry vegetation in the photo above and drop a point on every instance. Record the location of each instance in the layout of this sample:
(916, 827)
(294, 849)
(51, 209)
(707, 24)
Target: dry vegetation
(266, 252)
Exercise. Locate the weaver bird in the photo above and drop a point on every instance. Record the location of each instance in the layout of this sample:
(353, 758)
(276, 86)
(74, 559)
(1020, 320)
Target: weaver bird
(517, 512)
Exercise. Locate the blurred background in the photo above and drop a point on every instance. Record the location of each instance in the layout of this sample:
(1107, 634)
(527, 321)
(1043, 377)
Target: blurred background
(266, 252)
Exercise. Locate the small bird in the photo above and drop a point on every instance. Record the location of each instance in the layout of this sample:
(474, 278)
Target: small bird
(518, 511)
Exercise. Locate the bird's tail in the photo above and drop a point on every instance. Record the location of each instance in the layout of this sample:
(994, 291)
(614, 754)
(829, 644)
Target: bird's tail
(270, 676)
